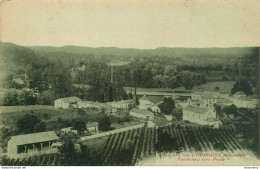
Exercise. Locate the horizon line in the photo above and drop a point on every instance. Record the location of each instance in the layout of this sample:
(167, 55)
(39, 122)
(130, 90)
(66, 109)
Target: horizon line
(60, 46)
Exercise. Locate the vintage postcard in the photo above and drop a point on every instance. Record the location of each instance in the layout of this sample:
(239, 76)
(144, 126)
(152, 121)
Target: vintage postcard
(129, 82)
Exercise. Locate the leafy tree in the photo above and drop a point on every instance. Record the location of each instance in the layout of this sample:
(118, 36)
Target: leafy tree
(104, 124)
(218, 110)
(40, 127)
(5, 135)
(186, 80)
(232, 109)
(78, 125)
(9, 97)
(67, 151)
(26, 97)
(29, 124)
(167, 105)
(177, 113)
(242, 85)
(46, 98)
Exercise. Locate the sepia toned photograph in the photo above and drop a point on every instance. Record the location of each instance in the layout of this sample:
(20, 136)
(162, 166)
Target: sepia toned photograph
(129, 83)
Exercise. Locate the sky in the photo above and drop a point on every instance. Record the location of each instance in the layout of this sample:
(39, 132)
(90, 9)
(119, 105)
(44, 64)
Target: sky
(143, 24)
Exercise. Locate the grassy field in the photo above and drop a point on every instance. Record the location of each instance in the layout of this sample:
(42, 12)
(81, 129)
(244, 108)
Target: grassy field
(224, 86)
(47, 114)
(12, 109)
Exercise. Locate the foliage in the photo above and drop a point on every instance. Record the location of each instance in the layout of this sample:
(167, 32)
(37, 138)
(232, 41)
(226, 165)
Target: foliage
(30, 124)
(104, 124)
(40, 127)
(167, 105)
(78, 125)
(242, 85)
(177, 113)
(218, 110)
(5, 135)
(67, 150)
(46, 98)
(232, 109)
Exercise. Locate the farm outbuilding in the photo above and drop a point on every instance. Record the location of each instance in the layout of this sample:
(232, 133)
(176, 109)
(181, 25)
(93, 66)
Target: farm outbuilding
(68, 102)
(32, 144)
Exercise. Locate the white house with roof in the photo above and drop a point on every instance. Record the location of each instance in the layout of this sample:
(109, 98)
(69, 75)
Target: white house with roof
(241, 100)
(68, 129)
(200, 115)
(92, 127)
(204, 99)
(143, 114)
(123, 104)
(90, 104)
(32, 144)
(209, 100)
(68, 102)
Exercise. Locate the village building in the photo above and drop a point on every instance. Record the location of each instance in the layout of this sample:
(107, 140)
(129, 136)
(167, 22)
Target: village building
(209, 101)
(150, 103)
(241, 100)
(123, 104)
(32, 144)
(95, 106)
(182, 104)
(68, 102)
(90, 104)
(143, 114)
(68, 129)
(158, 122)
(155, 109)
(223, 102)
(92, 127)
(200, 115)
(144, 103)
(204, 99)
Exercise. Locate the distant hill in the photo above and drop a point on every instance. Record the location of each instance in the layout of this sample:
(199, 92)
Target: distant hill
(163, 51)
(14, 57)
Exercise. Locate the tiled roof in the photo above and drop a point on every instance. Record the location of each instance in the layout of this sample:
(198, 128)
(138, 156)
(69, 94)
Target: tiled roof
(223, 100)
(196, 109)
(155, 99)
(160, 121)
(33, 138)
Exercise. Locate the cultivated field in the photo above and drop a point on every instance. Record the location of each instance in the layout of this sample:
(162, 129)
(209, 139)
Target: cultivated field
(141, 143)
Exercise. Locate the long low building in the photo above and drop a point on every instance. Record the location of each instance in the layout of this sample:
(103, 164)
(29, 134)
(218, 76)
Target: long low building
(32, 144)
(68, 102)
(143, 114)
